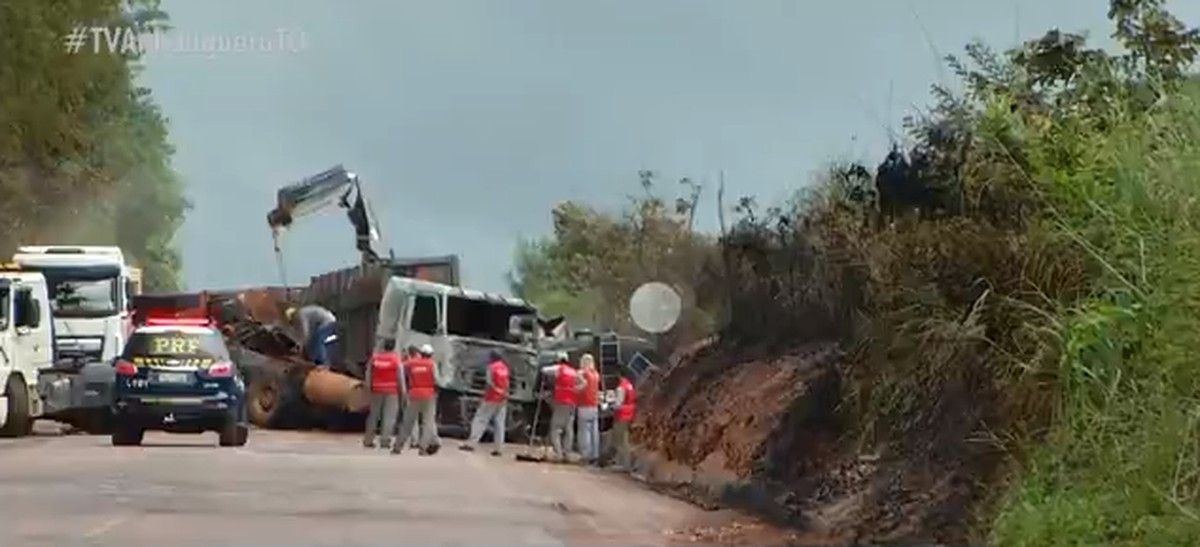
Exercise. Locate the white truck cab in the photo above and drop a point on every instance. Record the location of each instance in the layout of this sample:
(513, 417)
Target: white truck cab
(26, 347)
(90, 289)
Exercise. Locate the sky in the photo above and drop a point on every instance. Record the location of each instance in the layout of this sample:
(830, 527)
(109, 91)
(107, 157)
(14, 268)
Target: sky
(468, 120)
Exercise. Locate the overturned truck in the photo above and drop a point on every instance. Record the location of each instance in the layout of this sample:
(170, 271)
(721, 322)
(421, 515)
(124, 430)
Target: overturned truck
(419, 302)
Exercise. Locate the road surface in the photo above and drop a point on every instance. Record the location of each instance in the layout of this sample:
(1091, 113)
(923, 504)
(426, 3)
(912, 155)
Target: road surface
(300, 489)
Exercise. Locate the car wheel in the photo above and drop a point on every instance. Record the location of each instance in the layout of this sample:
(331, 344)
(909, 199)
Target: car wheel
(19, 423)
(233, 433)
(127, 436)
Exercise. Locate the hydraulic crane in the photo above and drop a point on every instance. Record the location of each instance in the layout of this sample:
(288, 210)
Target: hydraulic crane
(315, 193)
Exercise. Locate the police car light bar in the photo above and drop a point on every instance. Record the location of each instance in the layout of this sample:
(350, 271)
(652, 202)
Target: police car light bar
(178, 322)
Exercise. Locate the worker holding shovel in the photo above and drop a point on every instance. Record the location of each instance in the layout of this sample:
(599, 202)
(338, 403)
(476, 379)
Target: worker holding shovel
(567, 383)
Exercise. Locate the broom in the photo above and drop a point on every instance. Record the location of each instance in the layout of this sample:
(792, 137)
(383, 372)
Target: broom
(529, 455)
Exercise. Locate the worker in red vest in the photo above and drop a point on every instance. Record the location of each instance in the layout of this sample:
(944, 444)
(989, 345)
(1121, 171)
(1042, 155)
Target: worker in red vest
(385, 395)
(626, 410)
(493, 407)
(418, 384)
(565, 384)
(587, 413)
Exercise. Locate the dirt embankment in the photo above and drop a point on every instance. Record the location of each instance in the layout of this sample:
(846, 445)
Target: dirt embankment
(764, 434)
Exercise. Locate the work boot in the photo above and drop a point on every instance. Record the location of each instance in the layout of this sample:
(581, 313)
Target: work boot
(430, 450)
(466, 448)
(397, 448)
(497, 453)
(386, 445)
(368, 444)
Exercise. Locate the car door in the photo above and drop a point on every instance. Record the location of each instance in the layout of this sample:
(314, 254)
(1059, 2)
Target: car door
(34, 343)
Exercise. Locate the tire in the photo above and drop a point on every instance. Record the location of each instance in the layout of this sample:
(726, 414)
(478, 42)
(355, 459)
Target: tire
(272, 401)
(518, 426)
(233, 433)
(20, 422)
(123, 435)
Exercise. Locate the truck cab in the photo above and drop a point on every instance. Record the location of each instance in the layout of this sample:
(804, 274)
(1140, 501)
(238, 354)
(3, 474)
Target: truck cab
(463, 326)
(89, 292)
(26, 347)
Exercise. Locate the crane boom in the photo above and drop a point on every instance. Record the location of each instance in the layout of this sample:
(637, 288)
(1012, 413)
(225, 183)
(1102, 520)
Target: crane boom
(333, 185)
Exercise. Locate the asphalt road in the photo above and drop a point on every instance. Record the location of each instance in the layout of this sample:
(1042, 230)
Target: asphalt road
(300, 489)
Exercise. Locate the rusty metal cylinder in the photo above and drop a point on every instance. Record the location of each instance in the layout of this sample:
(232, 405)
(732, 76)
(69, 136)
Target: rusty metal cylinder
(330, 389)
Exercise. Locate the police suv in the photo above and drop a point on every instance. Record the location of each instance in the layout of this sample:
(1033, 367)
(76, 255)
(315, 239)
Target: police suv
(176, 375)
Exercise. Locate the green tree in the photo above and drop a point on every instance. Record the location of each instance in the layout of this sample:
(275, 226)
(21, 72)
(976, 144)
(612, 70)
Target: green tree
(590, 266)
(84, 154)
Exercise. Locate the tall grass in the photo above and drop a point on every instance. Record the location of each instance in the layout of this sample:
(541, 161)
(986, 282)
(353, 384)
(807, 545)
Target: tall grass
(1121, 466)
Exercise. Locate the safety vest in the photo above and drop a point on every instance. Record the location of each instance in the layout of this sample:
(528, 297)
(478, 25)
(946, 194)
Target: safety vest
(590, 397)
(497, 392)
(422, 380)
(564, 385)
(384, 366)
(624, 413)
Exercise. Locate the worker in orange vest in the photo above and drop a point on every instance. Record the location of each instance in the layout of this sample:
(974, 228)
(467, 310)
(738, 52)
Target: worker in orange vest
(418, 384)
(587, 414)
(409, 352)
(385, 395)
(493, 408)
(566, 383)
(626, 410)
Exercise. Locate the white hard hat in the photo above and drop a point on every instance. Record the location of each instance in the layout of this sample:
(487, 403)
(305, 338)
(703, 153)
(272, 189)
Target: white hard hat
(425, 349)
(562, 356)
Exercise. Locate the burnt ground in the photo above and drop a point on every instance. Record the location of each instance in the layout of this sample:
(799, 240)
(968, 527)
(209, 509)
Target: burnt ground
(765, 434)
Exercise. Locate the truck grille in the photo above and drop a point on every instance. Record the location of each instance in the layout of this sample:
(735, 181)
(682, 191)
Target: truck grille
(470, 359)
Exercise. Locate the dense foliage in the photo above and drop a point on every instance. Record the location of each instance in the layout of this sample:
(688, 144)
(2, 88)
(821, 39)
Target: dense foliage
(84, 154)
(1016, 286)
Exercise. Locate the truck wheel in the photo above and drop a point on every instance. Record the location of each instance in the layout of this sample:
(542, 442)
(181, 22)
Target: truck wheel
(266, 398)
(233, 433)
(20, 422)
(518, 428)
(123, 435)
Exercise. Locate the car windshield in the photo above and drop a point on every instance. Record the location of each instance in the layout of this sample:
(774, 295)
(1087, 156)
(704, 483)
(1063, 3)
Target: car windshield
(84, 298)
(206, 346)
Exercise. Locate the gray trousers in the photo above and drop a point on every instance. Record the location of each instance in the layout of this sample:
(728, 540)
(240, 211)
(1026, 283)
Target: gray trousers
(495, 414)
(424, 411)
(587, 421)
(412, 437)
(562, 430)
(381, 417)
(620, 439)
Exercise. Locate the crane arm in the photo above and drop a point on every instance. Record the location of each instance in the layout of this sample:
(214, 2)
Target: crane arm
(315, 193)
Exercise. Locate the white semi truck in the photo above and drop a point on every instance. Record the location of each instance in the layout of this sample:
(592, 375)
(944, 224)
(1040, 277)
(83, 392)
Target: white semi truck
(89, 289)
(26, 347)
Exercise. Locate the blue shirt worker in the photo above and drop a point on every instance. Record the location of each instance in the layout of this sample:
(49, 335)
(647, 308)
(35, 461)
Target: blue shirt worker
(318, 330)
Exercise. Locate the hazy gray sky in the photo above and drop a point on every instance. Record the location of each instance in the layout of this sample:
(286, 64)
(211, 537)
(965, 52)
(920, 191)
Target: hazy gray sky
(468, 120)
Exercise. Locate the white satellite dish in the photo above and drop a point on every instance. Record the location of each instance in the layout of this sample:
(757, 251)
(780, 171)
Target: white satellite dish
(655, 307)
